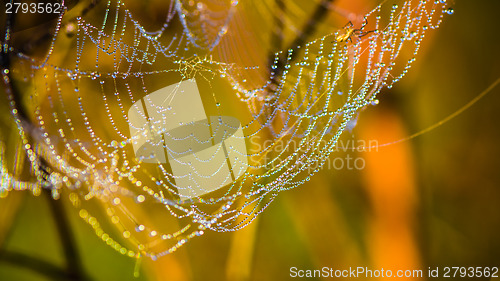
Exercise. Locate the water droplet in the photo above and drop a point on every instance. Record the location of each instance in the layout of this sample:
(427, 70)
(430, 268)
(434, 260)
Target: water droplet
(140, 198)
(116, 201)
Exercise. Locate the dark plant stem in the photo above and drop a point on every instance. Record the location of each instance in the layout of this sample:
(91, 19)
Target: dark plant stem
(73, 263)
(277, 31)
(74, 269)
(307, 30)
(39, 266)
(92, 4)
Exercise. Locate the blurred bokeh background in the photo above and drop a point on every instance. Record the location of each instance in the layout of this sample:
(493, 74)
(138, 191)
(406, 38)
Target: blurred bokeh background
(433, 200)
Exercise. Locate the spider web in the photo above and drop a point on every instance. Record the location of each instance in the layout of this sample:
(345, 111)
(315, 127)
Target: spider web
(77, 138)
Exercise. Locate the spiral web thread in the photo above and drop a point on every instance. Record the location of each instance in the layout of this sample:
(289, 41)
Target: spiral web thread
(301, 110)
